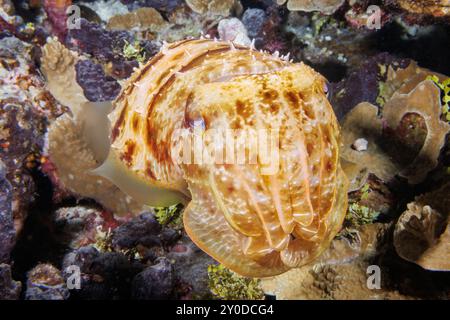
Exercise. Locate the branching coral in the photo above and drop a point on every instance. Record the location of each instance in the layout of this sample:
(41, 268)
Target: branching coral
(143, 18)
(445, 88)
(324, 6)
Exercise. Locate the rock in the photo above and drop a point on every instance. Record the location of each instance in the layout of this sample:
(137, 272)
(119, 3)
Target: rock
(78, 226)
(7, 231)
(360, 144)
(143, 229)
(233, 30)
(97, 86)
(25, 108)
(104, 275)
(44, 282)
(9, 289)
(253, 20)
(155, 282)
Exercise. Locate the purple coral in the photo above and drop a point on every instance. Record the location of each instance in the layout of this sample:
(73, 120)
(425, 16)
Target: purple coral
(92, 39)
(97, 86)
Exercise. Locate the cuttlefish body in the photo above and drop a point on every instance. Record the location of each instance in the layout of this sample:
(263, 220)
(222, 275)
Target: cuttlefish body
(259, 216)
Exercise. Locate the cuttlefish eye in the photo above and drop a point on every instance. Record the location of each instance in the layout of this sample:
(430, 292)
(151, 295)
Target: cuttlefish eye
(326, 90)
(254, 221)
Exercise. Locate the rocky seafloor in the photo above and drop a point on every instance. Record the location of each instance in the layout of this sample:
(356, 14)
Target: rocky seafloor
(387, 63)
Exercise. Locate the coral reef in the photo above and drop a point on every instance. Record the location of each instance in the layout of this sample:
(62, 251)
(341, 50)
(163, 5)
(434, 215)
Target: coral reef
(233, 30)
(387, 80)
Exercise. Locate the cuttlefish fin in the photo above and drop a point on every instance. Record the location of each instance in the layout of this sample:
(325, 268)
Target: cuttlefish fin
(136, 187)
(209, 230)
(93, 117)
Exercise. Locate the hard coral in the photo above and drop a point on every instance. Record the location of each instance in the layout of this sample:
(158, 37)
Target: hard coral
(56, 13)
(407, 93)
(94, 40)
(341, 272)
(215, 7)
(324, 6)
(147, 19)
(25, 108)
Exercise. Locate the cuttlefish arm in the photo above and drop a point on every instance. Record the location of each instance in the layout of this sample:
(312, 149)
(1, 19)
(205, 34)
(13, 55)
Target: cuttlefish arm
(96, 128)
(139, 189)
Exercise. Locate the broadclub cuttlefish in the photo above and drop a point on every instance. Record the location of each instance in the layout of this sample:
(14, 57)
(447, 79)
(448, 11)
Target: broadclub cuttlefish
(259, 218)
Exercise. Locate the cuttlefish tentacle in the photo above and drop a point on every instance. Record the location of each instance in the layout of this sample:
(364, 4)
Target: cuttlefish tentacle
(260, 217)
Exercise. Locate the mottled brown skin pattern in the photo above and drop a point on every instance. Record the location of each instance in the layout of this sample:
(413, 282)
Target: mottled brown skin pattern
(254, 223)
